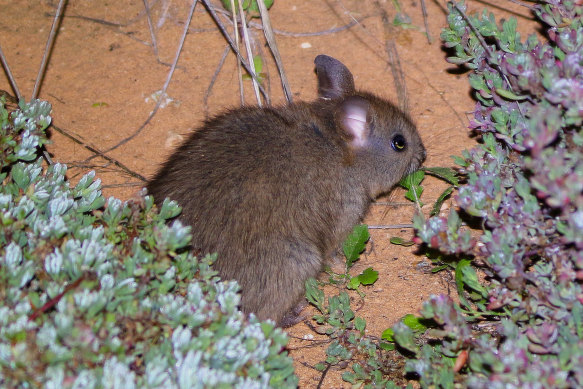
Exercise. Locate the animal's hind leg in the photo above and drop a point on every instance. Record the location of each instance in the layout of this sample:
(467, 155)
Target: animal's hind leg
(281, 294)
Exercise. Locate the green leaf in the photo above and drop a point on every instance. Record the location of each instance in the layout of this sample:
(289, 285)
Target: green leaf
(465, 275)
(459, 281)
(320, 366)
(439, 202)
(412, 179)
(458, 60)
(355, 244)
(257, 64)
(314, 294)
(388, 334)
(248, 6)
(461, 161)
(169, 209)
(404, 337)
(509, 95)
(439, 268)
(412, 182)
(414, 194)
(414, 323)
(349, 376)
(445, 173)
(470, 278)
(401, 242)
(453, 221)
(359, 324)
(354, 283)
(369, 276)
(478, 83)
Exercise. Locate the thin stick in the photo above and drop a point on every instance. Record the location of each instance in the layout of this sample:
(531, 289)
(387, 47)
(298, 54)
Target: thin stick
(55, 300)
(390, 226)
(334, 30)
(484, 45)
(523, 4)
(270, 37)
(165, 87)
(323, 376)
(48, 47)
(247, 67)
(214, 79)
(238, 43)
(476, 32)
(151, 27)
(394, 61)
(426, 22)
(108, 23)
(9, 75)
(164, 12)
(249, 54)
(99, 153)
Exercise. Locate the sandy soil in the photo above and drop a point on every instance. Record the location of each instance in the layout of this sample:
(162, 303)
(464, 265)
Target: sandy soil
(103, 74)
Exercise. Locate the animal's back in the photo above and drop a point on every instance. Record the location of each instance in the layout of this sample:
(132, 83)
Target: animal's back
(263, 189)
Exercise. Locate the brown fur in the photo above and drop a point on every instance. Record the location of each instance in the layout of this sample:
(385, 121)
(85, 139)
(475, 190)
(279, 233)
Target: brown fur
(276, 190)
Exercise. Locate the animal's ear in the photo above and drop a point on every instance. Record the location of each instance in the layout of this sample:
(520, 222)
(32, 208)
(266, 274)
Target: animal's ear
(353, 117)
(334, 79)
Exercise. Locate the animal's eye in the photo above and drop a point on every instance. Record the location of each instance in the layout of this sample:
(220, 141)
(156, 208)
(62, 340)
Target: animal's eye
(399, 143)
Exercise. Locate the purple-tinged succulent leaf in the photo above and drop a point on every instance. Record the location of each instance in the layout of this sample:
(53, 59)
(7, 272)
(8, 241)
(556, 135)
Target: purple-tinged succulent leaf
(524, 189)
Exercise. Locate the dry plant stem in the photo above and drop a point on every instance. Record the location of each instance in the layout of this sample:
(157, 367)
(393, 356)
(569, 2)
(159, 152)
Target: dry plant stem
(522, 4)
(165, 6)
(323, 376)
(112, 24)
(99, 153)
(48, 47)
(117, 26)
(214, 79)
(394, 60)
(425, 22)
(265, 77)
(165, 87)
(390, 227)
(357, 21)
(249, 53)
(151, 27)
(315, 33)
(334, 30)
(247, 66)
(483, 44)
(394, 204)
(126, 185)
(54, 301)
(476, 32)
(270, 37)
(237, 43)
(9, 75)
(446, 102)
(398, 75)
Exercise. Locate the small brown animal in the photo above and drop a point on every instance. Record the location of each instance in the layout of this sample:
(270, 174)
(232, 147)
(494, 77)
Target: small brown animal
(275, 191)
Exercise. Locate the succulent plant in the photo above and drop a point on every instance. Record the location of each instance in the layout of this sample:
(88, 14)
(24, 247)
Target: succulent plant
(105, 294)
(524, 187)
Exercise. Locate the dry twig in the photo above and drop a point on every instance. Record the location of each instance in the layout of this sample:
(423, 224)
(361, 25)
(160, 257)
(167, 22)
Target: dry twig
(48, 48)
(270, 37)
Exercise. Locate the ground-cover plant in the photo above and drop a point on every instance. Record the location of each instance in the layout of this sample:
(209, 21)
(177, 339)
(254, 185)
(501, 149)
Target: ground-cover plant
(520, 193)
(105, 294)
(524, 192)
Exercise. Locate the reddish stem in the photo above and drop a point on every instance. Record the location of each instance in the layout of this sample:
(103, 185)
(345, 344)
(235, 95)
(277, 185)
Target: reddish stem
(52, 302)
